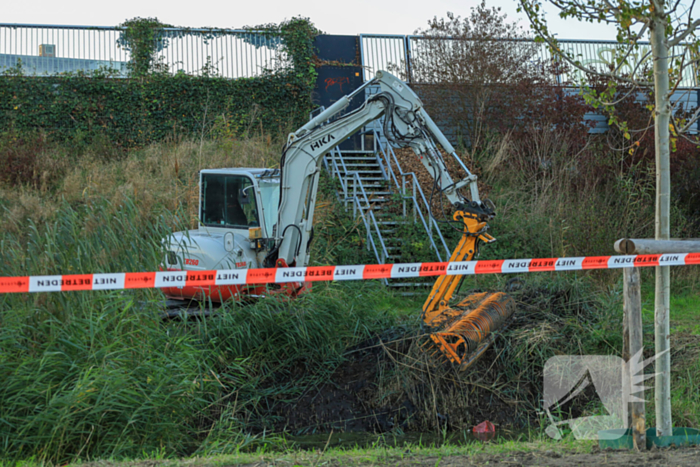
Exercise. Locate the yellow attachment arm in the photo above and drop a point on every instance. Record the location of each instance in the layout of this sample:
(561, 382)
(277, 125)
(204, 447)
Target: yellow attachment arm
(435, 309)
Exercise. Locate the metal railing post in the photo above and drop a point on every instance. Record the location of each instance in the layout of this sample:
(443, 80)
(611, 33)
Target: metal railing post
(354, 196)
(415, 203)
(403, 193)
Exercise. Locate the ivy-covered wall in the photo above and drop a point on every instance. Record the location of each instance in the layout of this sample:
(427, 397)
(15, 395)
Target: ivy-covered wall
(153, 104)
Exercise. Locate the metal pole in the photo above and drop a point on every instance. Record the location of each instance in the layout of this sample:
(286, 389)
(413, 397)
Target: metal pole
(362, 59)
(403, 193)
(354, 197)
(415, 204)
(407, 50)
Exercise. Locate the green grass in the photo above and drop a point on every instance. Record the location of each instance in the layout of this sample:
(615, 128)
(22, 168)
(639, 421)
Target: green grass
(97, 375)
(684, 304)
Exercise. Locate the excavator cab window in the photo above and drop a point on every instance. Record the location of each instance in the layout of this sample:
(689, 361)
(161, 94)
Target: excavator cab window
(270, 193)
(221, 201)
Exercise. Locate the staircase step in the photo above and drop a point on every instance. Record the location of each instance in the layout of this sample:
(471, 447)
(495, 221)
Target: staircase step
(372, 195)
(365, 173)
(359, 161)
(374, 192)
(353, 158)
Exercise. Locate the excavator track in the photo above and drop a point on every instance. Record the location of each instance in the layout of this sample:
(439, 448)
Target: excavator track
(187, 309)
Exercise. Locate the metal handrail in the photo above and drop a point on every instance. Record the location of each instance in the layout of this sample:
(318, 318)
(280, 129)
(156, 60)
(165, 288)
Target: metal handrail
(360, 200)
(433, 222)
(335, 171)
(385, 252)
(390, 156)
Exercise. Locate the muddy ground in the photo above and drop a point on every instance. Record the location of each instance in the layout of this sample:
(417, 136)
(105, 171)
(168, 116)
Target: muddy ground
(668, 457)
(676, 457)
(386, 384)
(390, 384)
(681, 457)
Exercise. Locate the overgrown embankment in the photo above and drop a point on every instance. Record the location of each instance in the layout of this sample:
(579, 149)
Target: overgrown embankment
(97, 374)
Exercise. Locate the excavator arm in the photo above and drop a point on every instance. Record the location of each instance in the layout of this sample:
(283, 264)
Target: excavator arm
(464, 331)
(406, 124)
(461, 333)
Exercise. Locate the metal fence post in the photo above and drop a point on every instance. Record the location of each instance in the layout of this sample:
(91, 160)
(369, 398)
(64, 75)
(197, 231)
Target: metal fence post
(407, 49)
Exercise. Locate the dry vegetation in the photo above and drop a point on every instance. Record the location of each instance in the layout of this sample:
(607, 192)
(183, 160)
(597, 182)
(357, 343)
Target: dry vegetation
(162, 175)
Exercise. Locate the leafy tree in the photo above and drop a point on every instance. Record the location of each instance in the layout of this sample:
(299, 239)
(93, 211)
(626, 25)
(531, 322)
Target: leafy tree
(669, 26)
(475, 71)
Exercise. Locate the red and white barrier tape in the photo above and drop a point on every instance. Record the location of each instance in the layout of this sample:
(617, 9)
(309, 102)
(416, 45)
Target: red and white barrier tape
(144, 280)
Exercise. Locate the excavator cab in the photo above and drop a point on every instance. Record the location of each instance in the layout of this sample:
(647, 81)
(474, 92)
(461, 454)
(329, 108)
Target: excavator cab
(237, 223)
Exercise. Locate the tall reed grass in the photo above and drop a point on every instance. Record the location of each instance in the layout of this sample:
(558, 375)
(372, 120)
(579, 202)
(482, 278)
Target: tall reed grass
(93, 373)
(558, 198)
(98, 374)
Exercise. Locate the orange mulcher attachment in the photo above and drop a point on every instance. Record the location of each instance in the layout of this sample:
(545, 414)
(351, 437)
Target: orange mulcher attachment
(463, 332)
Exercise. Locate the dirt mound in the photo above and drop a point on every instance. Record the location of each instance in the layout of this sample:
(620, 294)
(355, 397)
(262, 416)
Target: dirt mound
(347, 402)
(390, 383)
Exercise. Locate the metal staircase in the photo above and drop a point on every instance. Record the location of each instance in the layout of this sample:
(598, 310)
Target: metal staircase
(384, 196)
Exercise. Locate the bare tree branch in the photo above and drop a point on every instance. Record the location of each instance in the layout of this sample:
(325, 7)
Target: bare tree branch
(675, 6)
(691, 121)
(590, 13)
(617, 101)
(695, 141)
(679, 37)
(632, 46)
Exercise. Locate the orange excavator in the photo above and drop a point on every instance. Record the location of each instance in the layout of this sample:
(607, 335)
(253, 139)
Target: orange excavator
(263, 218)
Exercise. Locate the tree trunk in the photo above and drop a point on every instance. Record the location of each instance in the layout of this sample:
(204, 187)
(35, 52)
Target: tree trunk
(660, 55)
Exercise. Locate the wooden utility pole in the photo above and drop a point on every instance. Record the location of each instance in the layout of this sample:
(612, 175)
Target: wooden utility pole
(662, 336)
(632, 344)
